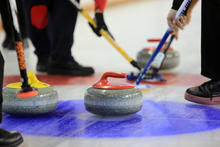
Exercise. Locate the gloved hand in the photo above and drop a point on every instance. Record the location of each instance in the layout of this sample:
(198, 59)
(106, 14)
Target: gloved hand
(100, 23)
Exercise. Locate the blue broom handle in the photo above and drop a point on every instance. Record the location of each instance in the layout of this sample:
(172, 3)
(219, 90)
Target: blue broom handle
(179, 13)
(163, 40)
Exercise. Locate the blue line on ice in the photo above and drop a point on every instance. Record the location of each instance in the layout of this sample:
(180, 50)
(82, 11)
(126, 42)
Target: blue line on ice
(157, 118)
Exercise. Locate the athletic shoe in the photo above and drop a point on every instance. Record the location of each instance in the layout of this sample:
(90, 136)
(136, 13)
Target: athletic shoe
(9, 44)
(42, 65)
(68, 68)
(207, 93)
(10, 139)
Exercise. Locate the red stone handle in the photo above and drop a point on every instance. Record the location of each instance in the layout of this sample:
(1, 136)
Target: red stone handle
(155, 40)
(103, 83)
(106, 75)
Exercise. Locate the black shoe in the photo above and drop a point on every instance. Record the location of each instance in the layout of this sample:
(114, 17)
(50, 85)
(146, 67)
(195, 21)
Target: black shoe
(9, 44)
(42, 65)
(10, 139)
(68, 68)
(207, 93)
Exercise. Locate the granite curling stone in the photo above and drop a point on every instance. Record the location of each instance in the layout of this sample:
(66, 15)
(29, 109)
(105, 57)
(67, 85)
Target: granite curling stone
(45, 102)
(113, 100)
(171, 60)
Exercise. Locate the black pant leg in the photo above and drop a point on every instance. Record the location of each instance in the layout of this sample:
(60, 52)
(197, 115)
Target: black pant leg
(39, 37)
(21, 19)
(6, 19)
(63, 18)
(210, 48)
(1, 83)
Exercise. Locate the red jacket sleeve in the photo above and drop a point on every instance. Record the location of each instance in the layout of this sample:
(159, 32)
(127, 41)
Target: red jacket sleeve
(100, 4)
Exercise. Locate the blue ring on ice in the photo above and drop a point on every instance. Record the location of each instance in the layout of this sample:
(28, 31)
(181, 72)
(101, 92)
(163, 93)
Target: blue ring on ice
(157, 118)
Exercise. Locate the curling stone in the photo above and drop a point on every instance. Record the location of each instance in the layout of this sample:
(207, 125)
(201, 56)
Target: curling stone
(45, 102)
(106, 99)
(171, 61)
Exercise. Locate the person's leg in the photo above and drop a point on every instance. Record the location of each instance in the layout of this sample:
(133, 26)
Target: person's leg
(8, 42)
(6, 138)
(1, 83)
(36, 14)
(209, 92)
(63, 18)
(210, 39)
(6, 21)
(22, 23)
(21, 19)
